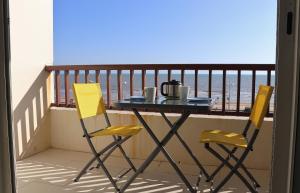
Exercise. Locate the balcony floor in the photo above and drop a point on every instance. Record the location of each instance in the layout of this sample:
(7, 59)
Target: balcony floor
(53, 171)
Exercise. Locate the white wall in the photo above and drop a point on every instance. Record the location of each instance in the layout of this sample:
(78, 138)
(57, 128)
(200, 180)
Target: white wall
(66, 133)
(31, 25)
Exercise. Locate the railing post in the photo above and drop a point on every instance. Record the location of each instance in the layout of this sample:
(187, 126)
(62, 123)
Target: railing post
(209, 82)
(238, 97)
(86, 76)
(156, 80)
(196, 83)
(57, 88)
(269, 78)
(108, 90)
(182, 77)
(77, 78)
(169, 75)
(224, 92)
(120, 85)
(253, 87)
(97, 76)
(67, 87)
(143, 80)
(131, 82)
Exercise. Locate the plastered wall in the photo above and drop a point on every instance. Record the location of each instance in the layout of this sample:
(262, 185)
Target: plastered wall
(66, 133)
(31, 39)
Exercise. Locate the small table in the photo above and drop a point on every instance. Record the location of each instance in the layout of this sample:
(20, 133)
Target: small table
(162, 105)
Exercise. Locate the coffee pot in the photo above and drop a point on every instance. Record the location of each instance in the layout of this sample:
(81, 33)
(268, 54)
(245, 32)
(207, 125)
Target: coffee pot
(170, 89)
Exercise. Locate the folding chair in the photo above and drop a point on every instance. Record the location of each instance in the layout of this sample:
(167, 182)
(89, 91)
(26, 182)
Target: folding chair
(236, 141)
(89, 103)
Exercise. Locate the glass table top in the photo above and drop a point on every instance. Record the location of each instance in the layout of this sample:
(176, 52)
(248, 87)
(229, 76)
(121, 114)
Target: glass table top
(200, 104)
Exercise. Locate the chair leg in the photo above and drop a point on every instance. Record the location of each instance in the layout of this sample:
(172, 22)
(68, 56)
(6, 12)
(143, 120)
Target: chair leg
(126, 157)
(102, 165)
(234, 169)
(211, 177)
(120, 141)
(108, 174)
(216, 171)
(119, 146)
(111, 147)
(123, 153)
(107, 155)
(243, 167)
(83, 171)
(255, 183)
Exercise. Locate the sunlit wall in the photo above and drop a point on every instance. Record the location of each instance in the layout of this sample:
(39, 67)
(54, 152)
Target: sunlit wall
(31, 25)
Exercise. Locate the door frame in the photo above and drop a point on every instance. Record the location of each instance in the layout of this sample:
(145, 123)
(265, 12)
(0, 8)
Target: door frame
(295, 187)
(7, 161)
(287, 82)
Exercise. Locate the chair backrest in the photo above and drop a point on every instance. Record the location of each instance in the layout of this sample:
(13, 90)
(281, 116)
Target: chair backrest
(260, 106)
(89, 99)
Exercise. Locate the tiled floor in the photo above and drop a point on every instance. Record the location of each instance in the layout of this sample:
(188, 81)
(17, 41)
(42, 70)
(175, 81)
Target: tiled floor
(53, 171)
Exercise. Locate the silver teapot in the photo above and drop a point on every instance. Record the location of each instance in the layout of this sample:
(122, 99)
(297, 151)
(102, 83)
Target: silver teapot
(171, 89)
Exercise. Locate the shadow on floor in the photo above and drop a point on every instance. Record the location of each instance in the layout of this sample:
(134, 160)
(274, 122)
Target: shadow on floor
(51, 172)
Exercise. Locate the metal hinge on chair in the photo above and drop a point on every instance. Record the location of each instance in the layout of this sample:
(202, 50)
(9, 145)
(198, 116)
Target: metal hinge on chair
(251, 148)
(120, 176)
(92, 133)
(229, 156)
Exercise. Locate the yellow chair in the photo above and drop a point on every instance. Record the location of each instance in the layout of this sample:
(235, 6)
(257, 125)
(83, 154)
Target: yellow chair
(89, 103)
(236, 141)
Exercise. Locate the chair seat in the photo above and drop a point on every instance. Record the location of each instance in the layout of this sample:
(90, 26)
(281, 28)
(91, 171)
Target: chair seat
(223, 137)
(123, 130)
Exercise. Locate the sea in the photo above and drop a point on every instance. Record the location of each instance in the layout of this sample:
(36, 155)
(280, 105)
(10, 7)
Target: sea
(217, 84)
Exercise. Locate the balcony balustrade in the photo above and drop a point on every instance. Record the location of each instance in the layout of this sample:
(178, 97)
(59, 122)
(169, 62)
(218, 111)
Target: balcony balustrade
(224, 82)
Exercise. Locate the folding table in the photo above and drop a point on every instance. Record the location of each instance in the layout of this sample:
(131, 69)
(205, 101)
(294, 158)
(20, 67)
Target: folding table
(185, 108)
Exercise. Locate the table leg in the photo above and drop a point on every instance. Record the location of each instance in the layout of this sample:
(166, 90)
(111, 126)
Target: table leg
(188, 149)
(160, 148)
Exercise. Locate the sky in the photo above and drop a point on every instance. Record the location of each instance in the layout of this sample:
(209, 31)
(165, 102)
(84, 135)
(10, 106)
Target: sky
(164, 31)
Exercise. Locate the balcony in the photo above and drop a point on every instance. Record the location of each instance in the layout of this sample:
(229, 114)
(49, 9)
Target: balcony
(50, 149)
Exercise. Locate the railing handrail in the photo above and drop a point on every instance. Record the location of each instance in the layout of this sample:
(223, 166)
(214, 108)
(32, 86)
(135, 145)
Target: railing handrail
(258, 67)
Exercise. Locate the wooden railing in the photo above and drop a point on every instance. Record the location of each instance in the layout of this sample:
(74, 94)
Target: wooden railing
(229, 77)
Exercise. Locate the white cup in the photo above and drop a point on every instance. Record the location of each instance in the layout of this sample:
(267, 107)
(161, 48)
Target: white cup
(150, 93)
(184, 92)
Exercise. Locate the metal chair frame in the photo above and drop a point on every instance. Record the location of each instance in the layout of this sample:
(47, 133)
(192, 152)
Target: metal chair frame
(102, 155)
(105, 153)
(234, 167)
(231, 155)
(255, 120)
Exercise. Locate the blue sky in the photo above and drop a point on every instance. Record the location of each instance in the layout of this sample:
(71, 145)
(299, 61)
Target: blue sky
(164, 31)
